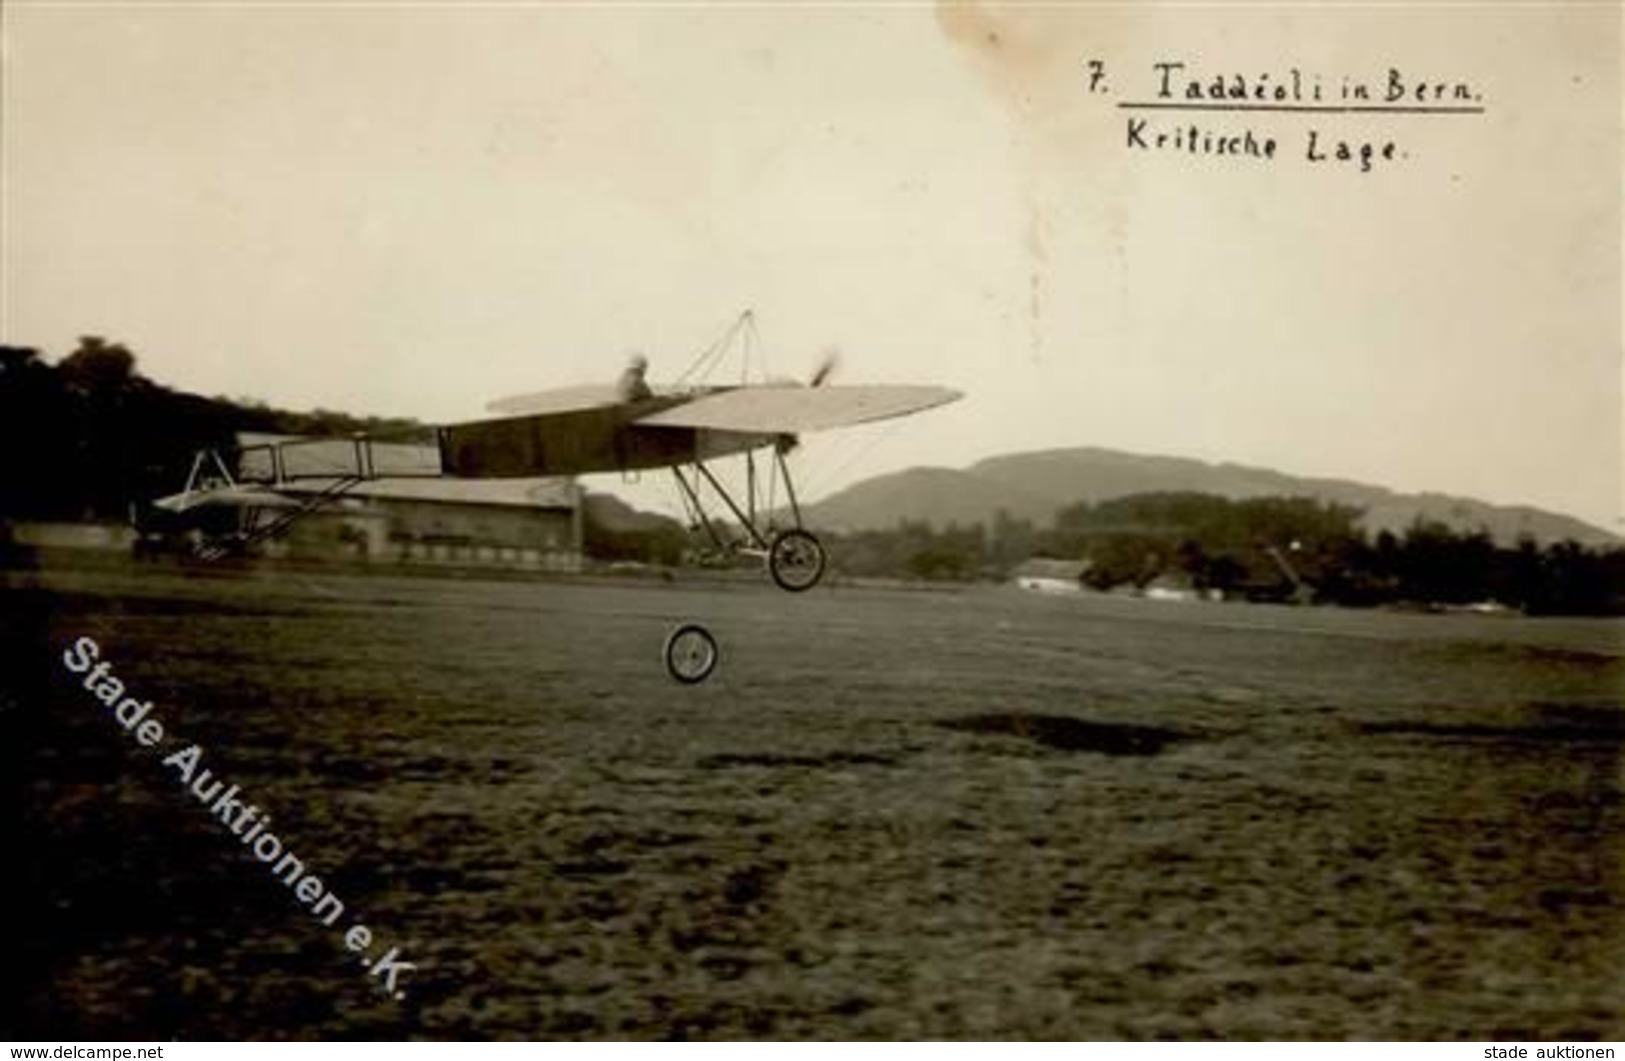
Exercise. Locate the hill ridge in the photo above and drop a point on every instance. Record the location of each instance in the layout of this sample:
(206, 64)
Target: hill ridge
(1033, 485)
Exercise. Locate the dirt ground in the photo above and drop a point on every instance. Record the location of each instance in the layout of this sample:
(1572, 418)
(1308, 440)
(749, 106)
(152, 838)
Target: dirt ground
(888, 813)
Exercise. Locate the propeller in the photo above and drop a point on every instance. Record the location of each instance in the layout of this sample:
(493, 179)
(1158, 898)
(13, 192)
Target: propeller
(826, 367)
(827, 364)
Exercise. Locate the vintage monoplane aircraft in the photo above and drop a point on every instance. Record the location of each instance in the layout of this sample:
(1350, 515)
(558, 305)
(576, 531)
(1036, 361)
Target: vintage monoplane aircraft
(577, 431)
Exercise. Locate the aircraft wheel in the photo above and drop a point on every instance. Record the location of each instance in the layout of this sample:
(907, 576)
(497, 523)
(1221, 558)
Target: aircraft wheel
(796, 560)
(691, 653)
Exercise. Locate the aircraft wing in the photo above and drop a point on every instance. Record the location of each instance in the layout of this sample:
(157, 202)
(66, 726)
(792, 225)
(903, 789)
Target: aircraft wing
(237, 496)
(572, 399)
(558, 400)
(791, 409)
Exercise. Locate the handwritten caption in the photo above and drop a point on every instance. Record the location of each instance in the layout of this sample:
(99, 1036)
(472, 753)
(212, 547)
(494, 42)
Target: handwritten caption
(1293, 114)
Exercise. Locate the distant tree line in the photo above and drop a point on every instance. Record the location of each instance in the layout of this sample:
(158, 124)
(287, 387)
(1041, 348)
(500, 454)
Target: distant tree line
(1266, 548)
(662, 542)
(87, 437)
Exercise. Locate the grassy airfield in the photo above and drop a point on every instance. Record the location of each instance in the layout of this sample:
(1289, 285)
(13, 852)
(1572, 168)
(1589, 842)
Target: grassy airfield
(888, 813)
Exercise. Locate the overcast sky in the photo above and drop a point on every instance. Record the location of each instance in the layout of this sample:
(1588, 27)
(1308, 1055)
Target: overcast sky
(412, 209)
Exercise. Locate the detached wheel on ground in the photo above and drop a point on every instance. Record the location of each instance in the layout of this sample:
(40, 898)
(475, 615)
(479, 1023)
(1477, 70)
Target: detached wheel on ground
(691, 653)
(796, 560)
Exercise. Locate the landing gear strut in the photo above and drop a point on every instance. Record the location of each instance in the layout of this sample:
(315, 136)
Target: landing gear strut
(795, 557)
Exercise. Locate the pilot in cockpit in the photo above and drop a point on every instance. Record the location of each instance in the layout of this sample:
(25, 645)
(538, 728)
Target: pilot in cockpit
(632, 387)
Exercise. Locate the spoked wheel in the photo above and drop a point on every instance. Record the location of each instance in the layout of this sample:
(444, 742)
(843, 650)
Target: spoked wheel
(796, 560)
(691, 653)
